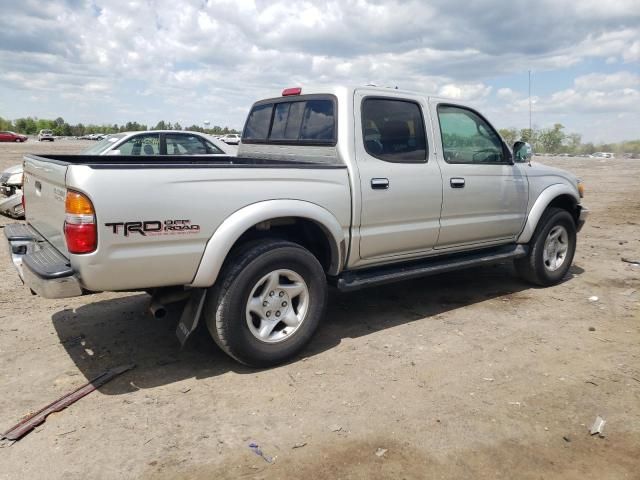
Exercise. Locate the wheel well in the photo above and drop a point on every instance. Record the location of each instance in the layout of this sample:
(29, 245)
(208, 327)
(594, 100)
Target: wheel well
(566, 202)
(302, 231)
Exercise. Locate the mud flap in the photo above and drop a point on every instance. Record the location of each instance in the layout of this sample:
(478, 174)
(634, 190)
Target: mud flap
(191, 315)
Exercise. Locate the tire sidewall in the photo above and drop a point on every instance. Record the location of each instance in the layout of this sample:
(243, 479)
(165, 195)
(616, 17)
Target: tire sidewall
(556, 218)
(243, 343)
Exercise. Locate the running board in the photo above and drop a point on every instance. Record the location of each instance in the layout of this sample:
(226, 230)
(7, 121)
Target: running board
(357, 279)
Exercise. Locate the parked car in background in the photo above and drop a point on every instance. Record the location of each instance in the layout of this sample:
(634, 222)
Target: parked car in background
(8, 136)
(160, 142)
(45, 135)
(11, 192)
(171, 142)
(231, 138)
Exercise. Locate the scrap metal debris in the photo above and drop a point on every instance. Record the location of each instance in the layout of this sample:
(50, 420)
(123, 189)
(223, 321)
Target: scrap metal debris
(632, 262)
(255, 448)
(31, 421)
(598, 426)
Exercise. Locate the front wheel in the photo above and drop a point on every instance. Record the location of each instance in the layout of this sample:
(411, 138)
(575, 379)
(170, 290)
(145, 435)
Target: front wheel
(267, 303)
(551, 249)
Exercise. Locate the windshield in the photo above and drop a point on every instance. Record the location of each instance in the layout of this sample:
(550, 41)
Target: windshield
(103, 145)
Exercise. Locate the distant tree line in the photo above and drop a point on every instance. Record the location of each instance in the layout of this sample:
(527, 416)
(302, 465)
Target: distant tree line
(32, 125)
(556, 140)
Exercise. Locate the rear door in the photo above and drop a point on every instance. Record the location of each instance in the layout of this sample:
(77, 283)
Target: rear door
(400, 180)
(484, 194)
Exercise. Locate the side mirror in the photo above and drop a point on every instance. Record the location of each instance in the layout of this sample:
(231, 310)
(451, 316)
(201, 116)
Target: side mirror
(522, 152)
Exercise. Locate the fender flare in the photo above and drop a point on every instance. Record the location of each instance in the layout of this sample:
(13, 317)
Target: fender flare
(540, 205)
(239, 222)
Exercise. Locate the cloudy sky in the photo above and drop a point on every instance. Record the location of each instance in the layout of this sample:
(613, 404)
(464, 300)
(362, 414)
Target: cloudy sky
(99, 61)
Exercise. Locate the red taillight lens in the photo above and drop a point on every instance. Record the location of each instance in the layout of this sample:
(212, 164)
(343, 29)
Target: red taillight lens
(80, 230)
(291, 91)
(80, 238)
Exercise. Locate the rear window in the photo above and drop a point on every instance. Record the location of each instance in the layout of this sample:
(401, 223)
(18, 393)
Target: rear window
(301, 120)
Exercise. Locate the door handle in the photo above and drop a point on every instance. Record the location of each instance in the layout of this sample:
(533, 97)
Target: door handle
(380, 183)
(456, 182)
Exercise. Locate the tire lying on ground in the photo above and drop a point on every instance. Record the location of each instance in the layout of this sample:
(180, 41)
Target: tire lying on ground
(267, 302)
(551, 249)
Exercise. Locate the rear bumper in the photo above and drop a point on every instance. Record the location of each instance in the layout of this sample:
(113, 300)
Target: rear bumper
(582, 218)
(41, 267)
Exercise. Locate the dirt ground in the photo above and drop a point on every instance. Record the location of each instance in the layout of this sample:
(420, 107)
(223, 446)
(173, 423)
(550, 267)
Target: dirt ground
(467, 375)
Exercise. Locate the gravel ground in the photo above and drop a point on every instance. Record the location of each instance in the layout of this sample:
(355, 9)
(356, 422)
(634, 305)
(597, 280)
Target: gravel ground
(472, 374)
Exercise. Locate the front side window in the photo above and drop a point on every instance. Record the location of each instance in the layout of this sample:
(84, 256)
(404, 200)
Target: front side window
(468, 138)
(145, 144)
(306, 121)
(393, 130)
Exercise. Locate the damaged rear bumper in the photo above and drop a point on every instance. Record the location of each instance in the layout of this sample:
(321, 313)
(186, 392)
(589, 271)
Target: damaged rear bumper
(41, 267)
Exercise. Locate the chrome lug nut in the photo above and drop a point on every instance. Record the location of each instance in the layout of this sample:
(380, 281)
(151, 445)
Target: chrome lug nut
(271, 294)
(281, 294)
(265, 303)
(278, 313)
(268, 314)
(284, 304)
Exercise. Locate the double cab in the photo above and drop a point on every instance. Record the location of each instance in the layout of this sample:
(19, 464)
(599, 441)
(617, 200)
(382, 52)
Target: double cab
(348, 186)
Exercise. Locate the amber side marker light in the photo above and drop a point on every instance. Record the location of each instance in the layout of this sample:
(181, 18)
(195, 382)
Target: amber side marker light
(80, 230)
(581, 188)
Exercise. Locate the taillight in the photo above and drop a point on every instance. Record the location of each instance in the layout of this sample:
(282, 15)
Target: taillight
(80, 230)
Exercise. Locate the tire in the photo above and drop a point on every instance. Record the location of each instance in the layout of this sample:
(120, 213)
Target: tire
(17, 140)
(548, 267)
(262, 281)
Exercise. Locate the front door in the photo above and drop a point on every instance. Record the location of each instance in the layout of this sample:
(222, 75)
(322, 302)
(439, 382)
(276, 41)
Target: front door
(485, 195)
(400, 182)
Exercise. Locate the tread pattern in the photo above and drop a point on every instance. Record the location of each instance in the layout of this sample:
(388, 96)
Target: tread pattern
(219, 297)
(527, 267)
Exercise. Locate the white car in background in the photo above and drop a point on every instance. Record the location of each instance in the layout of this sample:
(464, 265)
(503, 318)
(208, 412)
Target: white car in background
(45, 135)
(160, 142)
(231, 138)
(11, 192)
(156, 142)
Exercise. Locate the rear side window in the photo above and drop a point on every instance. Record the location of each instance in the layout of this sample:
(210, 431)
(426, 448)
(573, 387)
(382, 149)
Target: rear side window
(182, 144)
(393, 130)
(306, 121)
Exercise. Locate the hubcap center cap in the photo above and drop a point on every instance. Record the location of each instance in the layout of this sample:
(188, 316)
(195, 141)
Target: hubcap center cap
(278, 302)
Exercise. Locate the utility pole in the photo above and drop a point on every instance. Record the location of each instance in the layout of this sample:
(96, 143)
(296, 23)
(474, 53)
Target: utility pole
(530, 131)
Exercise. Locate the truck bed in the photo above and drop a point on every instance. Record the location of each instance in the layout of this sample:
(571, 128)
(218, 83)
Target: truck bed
(177, 161)
(197, 193)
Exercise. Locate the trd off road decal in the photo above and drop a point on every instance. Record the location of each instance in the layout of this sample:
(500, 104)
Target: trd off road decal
(153, 227)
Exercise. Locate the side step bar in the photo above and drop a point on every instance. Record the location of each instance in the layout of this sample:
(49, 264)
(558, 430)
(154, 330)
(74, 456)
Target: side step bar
(357, 279)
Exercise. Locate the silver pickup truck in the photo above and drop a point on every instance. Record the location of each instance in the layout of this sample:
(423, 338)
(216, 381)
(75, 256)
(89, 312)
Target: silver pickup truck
(353, 187)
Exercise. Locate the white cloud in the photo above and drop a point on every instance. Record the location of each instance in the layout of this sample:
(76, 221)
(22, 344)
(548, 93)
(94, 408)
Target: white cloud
(213, 58)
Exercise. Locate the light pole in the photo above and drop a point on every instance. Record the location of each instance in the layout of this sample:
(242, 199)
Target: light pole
(530, 131)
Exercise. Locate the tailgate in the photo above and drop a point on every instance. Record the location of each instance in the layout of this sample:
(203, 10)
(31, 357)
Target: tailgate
(44, 194)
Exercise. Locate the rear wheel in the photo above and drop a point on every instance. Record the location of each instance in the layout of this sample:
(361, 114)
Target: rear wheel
(17, 140)
(267, 303)
(551, 249)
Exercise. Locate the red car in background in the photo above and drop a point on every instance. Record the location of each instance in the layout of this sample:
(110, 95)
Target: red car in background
(12, 137)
